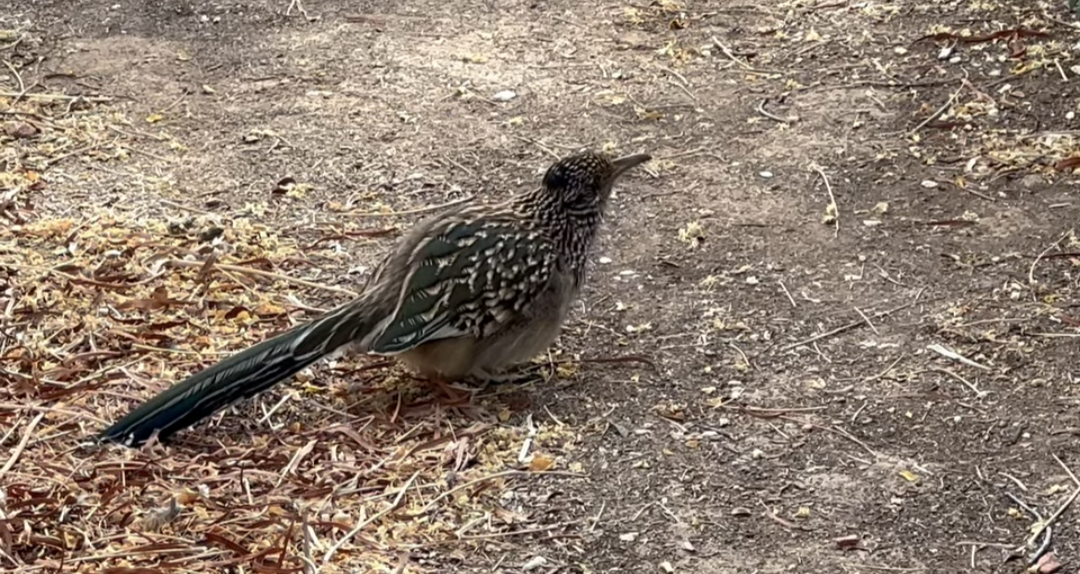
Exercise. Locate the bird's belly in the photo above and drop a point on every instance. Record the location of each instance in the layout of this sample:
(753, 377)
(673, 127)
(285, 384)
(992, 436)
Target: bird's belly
(517, 346)
(528, 335)
(522, 338)
(448, 359)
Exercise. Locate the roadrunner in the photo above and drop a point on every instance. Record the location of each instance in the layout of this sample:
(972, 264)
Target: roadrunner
(469, 292)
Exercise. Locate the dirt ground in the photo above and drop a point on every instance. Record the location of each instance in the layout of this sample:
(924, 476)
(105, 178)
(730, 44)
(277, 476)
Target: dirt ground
(852, 262)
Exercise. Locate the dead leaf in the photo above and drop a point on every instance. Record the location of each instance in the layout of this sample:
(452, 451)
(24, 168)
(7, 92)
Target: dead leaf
(1048, 564)
(1068, 164)
(541, 462)
(159, 299)
(909, 476)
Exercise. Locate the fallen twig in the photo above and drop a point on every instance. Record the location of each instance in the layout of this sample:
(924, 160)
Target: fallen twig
(1046, 530)
(183, 207)
(309, 562)
(541, 146)
(295, 461)
(788, 293)
(867, 319)
(681, 154)
(57, 159)
(622, 359)
(763, 413)
(426, 209)
(1057, 514)
(885, 372)
(849, 326)
(393, 505)
(727, 52)
(769, 513)
(1031, 270)
(377, 232)
(978, 393)
(49, 409)
(475, 481)
(937, 113)
(15, 454)
(526, 446)
(61, 97)
(979, 38)
(838, 431)
(951, 354)
(761, 110)
(299, 8)
(261, 273)
(18, 77)
(835, 212)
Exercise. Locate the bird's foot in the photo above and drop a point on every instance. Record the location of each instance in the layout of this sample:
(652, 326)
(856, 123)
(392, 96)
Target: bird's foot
(519, 376)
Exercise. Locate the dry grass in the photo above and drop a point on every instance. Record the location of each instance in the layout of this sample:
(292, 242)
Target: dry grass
(789, 408)
(112, 297)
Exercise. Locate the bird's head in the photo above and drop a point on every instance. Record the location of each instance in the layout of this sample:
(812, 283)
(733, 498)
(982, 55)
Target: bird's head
(584, 180)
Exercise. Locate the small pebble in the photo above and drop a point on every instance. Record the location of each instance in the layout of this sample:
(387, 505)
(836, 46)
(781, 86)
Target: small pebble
(504, 96)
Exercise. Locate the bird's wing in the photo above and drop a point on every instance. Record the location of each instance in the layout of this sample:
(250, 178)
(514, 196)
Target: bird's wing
(467, 277)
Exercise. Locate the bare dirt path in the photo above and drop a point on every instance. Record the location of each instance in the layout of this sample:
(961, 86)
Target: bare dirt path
(853, 263)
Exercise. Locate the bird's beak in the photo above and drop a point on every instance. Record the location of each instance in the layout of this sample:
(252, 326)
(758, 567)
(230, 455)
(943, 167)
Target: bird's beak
(625, 163)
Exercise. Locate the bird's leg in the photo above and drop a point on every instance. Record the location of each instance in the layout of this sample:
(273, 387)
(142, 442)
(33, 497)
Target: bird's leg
(450, 392)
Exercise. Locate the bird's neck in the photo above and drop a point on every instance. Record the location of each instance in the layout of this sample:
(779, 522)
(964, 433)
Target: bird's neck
(572, 229)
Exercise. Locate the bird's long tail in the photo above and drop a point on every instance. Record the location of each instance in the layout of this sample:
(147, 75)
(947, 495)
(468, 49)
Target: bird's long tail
(243, 375)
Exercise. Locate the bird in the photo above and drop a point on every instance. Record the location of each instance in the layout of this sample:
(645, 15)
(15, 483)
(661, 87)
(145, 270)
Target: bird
(472, 291)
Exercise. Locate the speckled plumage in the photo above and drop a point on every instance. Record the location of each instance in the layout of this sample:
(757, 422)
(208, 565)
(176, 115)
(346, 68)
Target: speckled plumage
(468, 292)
